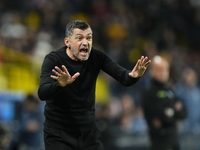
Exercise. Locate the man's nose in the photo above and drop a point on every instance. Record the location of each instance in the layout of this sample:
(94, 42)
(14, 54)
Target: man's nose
(85, 42)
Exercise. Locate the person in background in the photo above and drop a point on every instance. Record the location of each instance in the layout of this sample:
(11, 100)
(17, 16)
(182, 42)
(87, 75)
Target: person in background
(131, 120)
(5, 136)
(67, 84)
(161, 107)
(188, 92)
(30, 130)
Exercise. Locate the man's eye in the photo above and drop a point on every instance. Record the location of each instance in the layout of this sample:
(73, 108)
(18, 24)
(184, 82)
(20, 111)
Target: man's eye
(79, 38)
(89, 38)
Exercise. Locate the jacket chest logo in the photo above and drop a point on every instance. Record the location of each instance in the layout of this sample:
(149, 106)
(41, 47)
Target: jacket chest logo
(165, 94)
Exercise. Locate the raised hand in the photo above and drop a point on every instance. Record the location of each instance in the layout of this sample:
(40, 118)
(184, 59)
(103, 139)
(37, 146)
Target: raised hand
(63, 77)
(140, 67)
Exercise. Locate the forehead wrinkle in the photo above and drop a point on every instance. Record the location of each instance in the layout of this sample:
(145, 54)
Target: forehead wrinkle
(82, 34)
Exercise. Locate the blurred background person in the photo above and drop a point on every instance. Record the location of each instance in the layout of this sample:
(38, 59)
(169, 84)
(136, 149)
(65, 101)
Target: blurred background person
(30, 125)
(129, 125)
(161, 107)
(188, 91)
(131, 120)
(5, 136)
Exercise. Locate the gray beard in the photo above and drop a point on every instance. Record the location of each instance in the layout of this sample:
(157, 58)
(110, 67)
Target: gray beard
(79, 58)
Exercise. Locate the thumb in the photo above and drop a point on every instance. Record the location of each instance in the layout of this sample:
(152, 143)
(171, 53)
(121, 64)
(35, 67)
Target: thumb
(76, 75)
(133, 74)
(130, 74)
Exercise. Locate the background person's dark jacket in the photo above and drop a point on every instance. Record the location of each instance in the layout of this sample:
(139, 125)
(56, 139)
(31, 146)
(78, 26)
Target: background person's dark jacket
(156, 98)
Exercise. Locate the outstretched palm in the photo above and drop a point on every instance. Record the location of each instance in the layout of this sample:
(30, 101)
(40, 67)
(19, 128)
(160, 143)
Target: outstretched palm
(63, 77)
(140, 67)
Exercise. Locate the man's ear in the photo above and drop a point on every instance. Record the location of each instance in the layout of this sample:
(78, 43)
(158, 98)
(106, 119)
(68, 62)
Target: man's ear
(67, 42)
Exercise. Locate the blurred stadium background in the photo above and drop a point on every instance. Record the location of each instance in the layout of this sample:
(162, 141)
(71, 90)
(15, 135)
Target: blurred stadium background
(125, 29)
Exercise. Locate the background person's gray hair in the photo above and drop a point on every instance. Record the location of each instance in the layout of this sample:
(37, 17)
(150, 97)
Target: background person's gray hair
(75, 24)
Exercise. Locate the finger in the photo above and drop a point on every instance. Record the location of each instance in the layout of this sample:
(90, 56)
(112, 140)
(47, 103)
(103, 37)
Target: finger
(147, 63)
(54, 77)
(76, 75)
(58, 69)
(55, 72)
(144, 59)
(65, 70)
(138, 63)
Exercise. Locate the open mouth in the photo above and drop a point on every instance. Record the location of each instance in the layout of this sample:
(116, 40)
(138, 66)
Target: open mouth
(84, 50)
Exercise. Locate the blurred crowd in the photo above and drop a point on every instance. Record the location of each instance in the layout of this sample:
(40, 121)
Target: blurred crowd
(125, 30)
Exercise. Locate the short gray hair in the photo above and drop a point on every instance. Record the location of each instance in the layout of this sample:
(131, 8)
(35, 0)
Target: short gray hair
(75, 24)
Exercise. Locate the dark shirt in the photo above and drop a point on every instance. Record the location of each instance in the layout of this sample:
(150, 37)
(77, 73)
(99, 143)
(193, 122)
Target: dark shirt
(155, 99)
(73, 107)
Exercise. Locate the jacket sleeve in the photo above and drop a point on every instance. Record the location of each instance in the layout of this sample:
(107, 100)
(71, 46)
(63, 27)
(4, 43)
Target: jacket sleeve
(48, 87)
(116, 71)
(181, 114)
